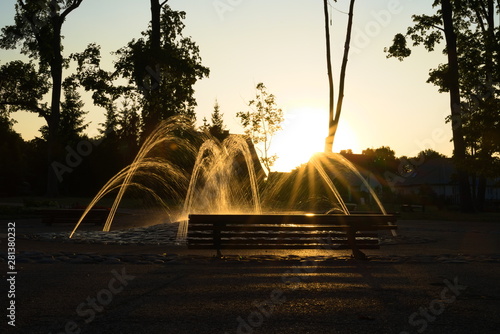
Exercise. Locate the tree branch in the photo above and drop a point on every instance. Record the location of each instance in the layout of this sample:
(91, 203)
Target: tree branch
(71, 8)
(27, 107)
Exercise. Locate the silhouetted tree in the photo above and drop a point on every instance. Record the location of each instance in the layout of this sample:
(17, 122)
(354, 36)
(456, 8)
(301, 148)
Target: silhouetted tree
(262, 122)
(381, 159)
(217, 128)
(37, 28)
(163, 66)
(160, 68)
(335, 118)
(451, 23)
(129, 124)
(430, 154)
(11, 157)
(72, 122)
(22, 87)
(346, 152)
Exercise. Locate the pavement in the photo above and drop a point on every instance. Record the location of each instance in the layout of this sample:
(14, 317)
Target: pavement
(442, 277)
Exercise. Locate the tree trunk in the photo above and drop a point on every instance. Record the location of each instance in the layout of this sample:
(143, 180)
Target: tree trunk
(335, 118)
(329, 139)
(155, 26)
(343, 68)
(459, 146)
(151, 111)
(54, 145)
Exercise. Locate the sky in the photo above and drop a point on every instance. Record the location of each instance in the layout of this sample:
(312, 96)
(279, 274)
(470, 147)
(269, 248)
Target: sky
(281, 43)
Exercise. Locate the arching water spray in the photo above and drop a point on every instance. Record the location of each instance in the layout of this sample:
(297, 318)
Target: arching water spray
(215, 187)
(164, 133)
(318, 163)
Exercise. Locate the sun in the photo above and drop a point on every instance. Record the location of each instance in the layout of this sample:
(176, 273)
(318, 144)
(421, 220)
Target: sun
(303, 134)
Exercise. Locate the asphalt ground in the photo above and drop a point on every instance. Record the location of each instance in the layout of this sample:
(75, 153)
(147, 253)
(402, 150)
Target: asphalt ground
(306, 293)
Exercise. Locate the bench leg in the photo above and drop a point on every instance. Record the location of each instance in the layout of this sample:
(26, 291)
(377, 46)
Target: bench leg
(351, 240)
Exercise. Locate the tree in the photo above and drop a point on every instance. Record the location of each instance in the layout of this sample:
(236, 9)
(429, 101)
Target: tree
(449, 23)
(429, 154)
(11, 156)
(382, 159)
(217, 129)
(480, 83)
(160, 70)
(334, 118)
(262, 122)
(22, 87)
(217, 120)
(37, 27)
(72, 123)
(162, 66)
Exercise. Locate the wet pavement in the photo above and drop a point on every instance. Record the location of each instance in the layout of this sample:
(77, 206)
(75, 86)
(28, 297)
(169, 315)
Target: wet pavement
(437, 277)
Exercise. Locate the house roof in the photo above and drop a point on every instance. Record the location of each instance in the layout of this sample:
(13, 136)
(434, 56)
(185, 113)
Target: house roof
(437, 171)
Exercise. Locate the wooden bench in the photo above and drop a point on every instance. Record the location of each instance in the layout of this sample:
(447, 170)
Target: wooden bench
(278, 231)
(71, 216)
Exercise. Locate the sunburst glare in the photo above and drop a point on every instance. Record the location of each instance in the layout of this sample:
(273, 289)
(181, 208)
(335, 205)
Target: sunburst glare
(304, 134)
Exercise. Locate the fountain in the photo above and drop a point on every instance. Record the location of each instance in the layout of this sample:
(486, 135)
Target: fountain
(223, 179)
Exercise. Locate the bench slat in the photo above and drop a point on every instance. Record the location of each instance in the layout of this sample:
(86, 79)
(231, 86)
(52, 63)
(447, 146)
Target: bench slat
(287, 242)
(275, 227)
(318, 246)
(280, 235)
(293, 219)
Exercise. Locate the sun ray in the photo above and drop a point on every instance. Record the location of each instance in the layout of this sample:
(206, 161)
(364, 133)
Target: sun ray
(304, 132)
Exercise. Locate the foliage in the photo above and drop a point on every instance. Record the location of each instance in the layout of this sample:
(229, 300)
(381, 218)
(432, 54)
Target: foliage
(72, 123)
(217, 118)
(37, 30)
(217, 128)
(11, 153)
(163, 71)
(159, 76)
(22, 87)
(262, 122)
(473, 77)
